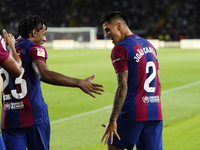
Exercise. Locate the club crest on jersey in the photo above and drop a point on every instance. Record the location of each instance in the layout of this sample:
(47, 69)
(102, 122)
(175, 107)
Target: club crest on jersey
(40, 51)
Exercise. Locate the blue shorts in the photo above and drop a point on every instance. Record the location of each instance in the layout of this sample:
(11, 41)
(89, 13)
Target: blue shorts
(146, 135)
(35, 137)
(2, 146)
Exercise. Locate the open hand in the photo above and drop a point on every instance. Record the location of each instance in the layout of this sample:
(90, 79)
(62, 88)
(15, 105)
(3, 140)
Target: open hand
(88, 87)
(9, 38)
(111, 128)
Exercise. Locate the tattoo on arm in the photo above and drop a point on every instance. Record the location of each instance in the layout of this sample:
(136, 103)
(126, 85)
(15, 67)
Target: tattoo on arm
(120, 94)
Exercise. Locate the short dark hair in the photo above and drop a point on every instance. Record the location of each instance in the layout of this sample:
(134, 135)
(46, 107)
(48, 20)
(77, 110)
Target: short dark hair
(113, 15)
(28, 24)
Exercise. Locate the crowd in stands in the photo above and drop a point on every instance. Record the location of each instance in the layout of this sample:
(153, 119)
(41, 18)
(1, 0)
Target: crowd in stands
(152, 19)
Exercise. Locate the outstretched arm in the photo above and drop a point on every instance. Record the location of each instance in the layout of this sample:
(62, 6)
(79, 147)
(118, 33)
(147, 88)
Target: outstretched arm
(120, 95)
(50, 77)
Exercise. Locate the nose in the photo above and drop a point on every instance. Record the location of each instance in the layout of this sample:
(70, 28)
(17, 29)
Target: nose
(45, 39)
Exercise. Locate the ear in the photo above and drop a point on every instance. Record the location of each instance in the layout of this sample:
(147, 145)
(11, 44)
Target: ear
(119, 26)
(33, 33)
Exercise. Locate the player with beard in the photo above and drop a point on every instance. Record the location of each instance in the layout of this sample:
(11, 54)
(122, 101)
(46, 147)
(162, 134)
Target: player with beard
(136, 117)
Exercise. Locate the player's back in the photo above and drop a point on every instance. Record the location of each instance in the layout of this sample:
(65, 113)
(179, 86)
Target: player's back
(143, 97)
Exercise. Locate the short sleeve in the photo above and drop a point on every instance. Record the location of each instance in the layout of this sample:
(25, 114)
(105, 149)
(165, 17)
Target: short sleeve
(4, 54)
(38, 53)
(119, 57)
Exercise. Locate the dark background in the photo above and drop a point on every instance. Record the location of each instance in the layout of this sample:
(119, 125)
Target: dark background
(148, 18)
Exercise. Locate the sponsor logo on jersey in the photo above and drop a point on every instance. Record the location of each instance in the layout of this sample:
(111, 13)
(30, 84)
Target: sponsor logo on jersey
(150, 99)
(13, 106)
(118, 59)
(40, 51)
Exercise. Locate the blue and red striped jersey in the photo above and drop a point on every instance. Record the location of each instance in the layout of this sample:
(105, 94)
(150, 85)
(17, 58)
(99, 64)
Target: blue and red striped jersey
(22, 101)
(139, 57)
(4, 54)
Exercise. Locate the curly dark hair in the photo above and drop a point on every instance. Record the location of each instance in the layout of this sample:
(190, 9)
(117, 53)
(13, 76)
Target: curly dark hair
(28, 24)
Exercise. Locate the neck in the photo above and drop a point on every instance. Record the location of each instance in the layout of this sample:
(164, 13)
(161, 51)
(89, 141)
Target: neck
(128, 32)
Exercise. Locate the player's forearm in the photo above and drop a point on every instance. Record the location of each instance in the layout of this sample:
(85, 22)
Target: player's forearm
(51, 77)
(119, 99)
(14, 55)
(55, 78)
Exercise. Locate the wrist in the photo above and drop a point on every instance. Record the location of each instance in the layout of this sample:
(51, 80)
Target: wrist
(12, 47)
(78, 83)
(112, 119)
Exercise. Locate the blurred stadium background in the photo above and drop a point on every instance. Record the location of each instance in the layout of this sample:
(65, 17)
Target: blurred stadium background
(157, 19)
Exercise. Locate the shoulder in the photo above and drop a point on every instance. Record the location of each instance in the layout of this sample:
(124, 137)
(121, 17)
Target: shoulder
(134, 39)
(130, 41)
(119, 53)
(38, 52)
(38, 48)
(118, 47)
(118, 50)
